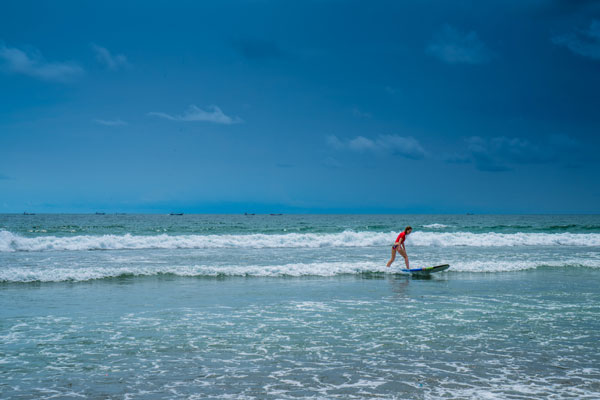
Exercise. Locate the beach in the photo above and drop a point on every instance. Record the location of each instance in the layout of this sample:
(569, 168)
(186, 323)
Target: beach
(298, 306)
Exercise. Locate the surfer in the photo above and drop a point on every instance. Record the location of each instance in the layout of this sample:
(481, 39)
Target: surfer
(399, 246)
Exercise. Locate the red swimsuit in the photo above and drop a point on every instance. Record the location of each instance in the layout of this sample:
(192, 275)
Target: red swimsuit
(400, 239)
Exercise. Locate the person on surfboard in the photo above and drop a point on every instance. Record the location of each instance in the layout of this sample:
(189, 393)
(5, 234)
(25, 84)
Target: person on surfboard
(399, 246)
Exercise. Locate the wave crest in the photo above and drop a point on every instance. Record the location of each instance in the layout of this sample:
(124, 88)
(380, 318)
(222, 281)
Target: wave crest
(435, 226)
(10, 242)
(324, 269)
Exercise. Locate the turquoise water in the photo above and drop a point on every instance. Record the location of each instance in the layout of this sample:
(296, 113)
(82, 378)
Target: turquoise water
(132, 306)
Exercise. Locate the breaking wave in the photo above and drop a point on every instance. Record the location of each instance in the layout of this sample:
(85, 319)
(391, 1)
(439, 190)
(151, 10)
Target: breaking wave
(326, 269)
(435, 226)
(10, 242)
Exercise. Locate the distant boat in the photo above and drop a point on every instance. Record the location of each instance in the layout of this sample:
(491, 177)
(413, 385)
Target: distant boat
(275, 214)
(100, 213)
(249, 214)
(26, 213)
(176, 214)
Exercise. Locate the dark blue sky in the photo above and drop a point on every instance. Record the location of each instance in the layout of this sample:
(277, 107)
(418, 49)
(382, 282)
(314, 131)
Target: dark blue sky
(324, 106)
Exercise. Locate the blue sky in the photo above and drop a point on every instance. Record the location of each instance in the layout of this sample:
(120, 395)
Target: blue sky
(312, 106)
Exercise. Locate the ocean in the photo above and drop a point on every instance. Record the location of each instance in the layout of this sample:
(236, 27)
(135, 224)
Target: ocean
(298, 306)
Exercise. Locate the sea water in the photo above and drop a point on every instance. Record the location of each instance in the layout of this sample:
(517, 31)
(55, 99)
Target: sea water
(296, 306)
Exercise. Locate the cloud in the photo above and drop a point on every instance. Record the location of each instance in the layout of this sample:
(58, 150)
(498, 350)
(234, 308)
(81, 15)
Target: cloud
(193, 113)
(454, 47)
(503, 153)
(32, 64)
(407, 147)
(258, 49)
(110, 61)
(487, 155)
(111, 122)
(334, 142)
(584, 43)
(361, 143)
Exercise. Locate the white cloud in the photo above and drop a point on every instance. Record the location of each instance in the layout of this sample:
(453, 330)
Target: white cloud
(407, 147)
(33, 64)
(361, 143)
(455, 47)
(334, 142)
(110, 61)
(111, 122)
(193, 113)
(584, 43)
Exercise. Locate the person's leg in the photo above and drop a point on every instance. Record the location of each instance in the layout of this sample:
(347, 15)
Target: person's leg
(405, 256)
(393, 257)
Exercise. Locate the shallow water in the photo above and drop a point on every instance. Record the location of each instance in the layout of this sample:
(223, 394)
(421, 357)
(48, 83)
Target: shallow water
(515, 335)
(316, 316)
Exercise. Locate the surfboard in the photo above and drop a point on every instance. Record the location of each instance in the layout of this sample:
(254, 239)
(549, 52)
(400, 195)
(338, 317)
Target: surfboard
(427, 270)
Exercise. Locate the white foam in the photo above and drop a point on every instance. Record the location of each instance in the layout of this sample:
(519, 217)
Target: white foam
(50, 274)
(491, 239)
(510, 265)
(435, 226)
(325, 269)
(10, 242)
